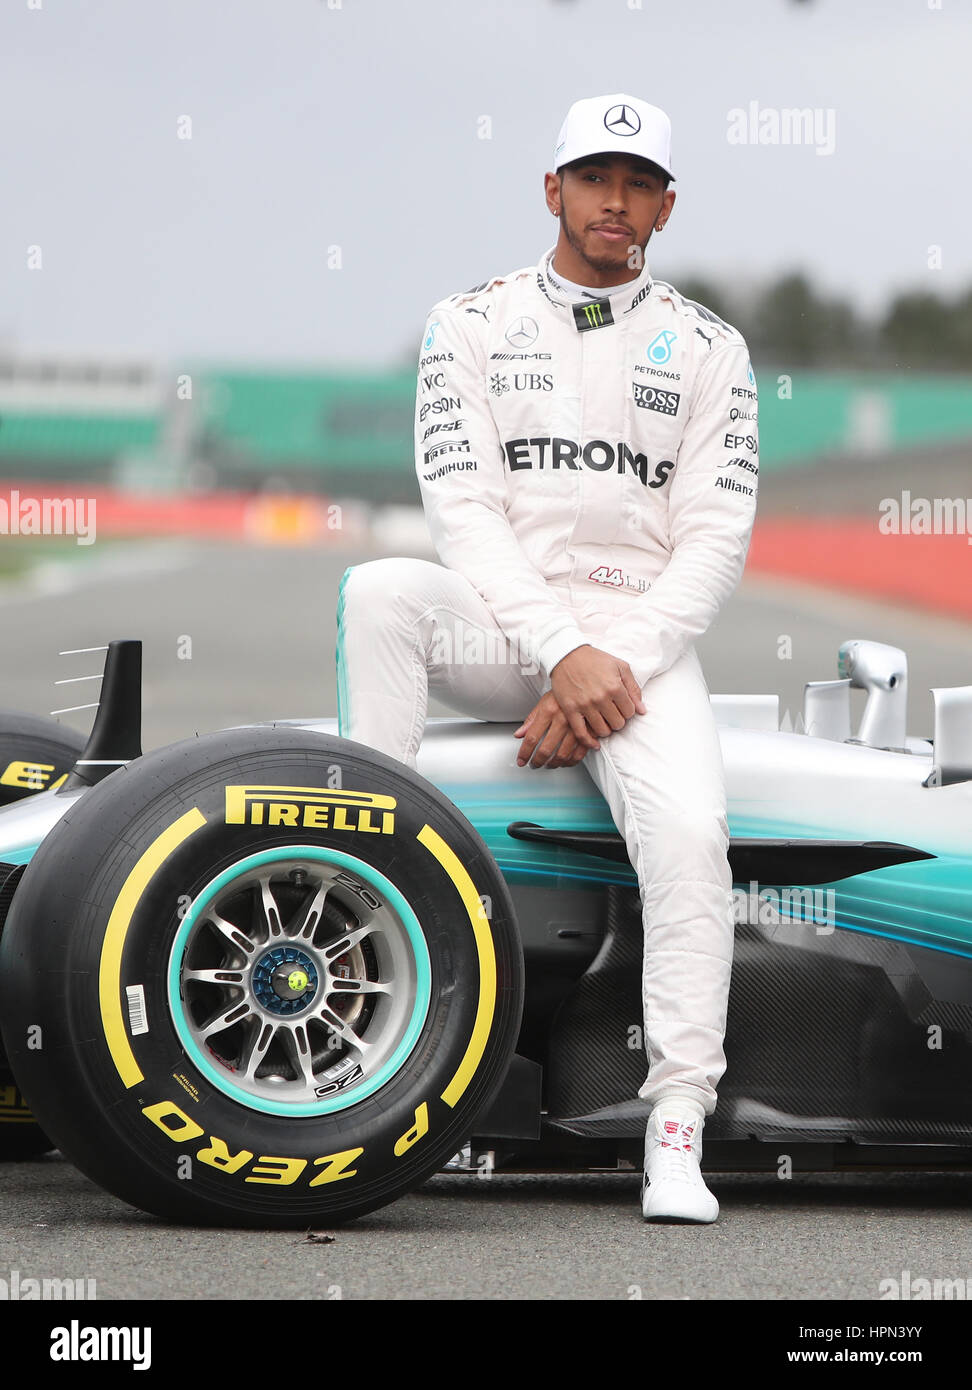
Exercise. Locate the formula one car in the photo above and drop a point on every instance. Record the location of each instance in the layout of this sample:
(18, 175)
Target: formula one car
(270, 977)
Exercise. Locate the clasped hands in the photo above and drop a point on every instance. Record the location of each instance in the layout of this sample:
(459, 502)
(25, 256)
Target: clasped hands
(592, 694)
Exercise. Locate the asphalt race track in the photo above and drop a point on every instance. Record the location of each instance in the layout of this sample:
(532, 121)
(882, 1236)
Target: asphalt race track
(577, 1237)
(261, 624)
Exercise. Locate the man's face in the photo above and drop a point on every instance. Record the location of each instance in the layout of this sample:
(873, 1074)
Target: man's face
(608, 204)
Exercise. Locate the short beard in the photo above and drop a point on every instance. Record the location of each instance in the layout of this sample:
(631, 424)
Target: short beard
(600, 263)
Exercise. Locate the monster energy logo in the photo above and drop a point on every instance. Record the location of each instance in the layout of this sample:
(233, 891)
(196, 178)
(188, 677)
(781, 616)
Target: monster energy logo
(595, 314)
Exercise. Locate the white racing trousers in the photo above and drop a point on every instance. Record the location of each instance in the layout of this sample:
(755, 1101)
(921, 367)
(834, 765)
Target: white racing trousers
(404, 628)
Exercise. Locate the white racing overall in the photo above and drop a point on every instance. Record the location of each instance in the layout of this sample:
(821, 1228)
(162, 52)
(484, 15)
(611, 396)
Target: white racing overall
(589, 475)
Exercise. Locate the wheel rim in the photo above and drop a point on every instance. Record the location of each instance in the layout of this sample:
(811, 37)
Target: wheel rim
(299, 981)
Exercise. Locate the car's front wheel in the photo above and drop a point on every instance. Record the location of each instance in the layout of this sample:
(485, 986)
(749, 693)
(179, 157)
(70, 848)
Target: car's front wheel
(266, 978)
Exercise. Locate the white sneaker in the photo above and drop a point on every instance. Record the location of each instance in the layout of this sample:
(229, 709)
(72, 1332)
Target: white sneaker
(673, 1187)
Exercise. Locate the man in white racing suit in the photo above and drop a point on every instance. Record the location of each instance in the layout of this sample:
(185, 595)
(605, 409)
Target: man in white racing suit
(586, 446)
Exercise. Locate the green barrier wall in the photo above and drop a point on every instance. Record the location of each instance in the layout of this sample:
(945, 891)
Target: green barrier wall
(335, 426)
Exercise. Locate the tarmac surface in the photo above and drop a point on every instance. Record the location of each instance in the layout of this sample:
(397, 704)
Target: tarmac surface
(816, 1236)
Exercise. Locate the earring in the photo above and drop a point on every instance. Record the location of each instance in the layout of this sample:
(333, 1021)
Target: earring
(660, 227)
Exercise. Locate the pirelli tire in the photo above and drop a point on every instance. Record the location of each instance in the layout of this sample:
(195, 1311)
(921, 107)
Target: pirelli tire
(35, 754)
(286, 875)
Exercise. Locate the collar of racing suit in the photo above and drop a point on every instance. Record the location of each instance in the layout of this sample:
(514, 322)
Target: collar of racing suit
(623, 299)
(570, 287)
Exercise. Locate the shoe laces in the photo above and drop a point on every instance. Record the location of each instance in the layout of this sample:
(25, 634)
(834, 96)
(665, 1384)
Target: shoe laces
(678, 1158)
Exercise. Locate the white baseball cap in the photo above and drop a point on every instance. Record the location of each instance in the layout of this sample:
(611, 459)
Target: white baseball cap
(615, 123)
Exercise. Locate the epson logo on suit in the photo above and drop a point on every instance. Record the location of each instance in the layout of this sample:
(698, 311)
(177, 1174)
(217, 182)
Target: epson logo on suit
(440, 407)
(651, 398)
(748, 442)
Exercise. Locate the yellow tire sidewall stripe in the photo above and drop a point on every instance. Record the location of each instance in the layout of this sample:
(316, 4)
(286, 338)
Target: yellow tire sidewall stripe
(486, 952)
(113, 946)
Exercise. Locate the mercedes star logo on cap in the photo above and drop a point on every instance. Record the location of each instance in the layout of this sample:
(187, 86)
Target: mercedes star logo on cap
(622, 120)
(615, 122)
(522, 332)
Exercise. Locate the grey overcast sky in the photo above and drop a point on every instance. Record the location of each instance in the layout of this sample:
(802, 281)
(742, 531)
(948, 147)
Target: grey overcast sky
(356, 124)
